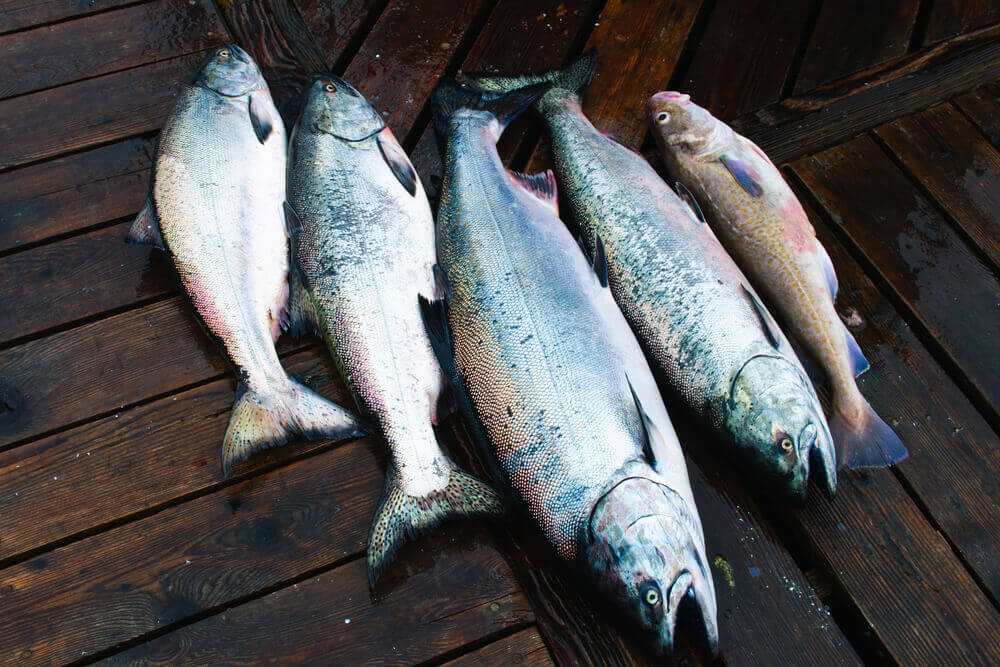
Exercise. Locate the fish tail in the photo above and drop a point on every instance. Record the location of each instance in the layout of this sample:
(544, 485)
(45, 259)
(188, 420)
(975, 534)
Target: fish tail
(863, 440)
(575, 77)
(452, 96)
(400, 517)
(262, 420)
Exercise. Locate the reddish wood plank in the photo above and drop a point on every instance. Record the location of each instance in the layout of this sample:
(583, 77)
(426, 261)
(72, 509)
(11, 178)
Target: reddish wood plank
(805, 124)
(116, 40)
(75, 192)
(463, 594)
(982, 106)
(135, 461)
(21, 14)
(79, 115)
(80, 277)
(522, 648)
(952, 291)
(954, 17)
(854, 35)
(745, 55)
(93, 594)
(954, 461)
(958, 167)
(406, 52)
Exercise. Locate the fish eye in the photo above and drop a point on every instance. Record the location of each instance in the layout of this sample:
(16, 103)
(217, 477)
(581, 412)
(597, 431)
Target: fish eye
(650, 595)
(330, 88)
(786, 444)
(662, 117)
(224, 53)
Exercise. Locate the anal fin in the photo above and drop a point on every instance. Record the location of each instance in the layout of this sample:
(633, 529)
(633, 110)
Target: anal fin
(542, 185)
(145, 228)
(857, 357)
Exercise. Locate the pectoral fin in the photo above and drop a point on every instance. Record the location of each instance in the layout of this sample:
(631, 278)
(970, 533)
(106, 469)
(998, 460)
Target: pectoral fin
(259, 116)
(762, 316)
(600, 261)
(745, 175)
(398, 162)
(145, 228)
(689, 199)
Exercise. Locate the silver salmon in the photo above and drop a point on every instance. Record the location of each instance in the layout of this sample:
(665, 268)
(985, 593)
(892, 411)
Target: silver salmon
(366, 253)
(761, 222)
(688, 302)
(216, 206)
(557, 382)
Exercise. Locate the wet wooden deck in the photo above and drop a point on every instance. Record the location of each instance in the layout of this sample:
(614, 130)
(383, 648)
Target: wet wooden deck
(120, 541)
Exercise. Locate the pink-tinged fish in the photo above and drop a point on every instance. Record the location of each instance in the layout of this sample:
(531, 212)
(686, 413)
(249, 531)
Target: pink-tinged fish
(759, 220)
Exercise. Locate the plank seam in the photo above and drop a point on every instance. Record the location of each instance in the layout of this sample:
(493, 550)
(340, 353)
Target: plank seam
(919, 32)
(486, 640)
(68, 19)
(812, 19)
(356, 41)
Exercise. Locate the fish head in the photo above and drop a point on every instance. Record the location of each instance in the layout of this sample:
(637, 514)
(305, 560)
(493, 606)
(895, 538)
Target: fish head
(334, 107)
(679, 122)
(230, 71)
(645, 547)
(779, 425)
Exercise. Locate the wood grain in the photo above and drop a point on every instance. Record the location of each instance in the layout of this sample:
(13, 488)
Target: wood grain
(805, 124)
(957, 167)
(20, 14)
(108, 42)
(982, 106)
(954, 17)
(745, 54)
(522, 648)
(950, 289)
(461, 594)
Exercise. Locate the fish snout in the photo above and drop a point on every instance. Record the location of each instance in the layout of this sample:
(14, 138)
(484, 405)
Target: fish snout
(690, 610)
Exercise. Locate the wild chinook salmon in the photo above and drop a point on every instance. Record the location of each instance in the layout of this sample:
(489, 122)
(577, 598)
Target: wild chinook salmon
(555, 380)
(687, 301)
(761, 222)
(366, 252)
(216, 206)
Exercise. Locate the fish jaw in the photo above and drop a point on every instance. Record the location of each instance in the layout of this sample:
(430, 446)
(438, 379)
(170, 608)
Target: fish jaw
(644, 545)
(779, 426)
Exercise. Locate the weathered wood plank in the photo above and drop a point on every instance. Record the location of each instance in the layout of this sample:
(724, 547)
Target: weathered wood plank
(522, 648)
(958, 167)
(21, 14)
(954, 17)
(112, 587)
(745, 55)
(982, 106)
(79, 277)
(499, 48)
(953, 292)
(336, 25)
(808, 123)
(954, 463)
(108, 42)
(465, 593)
(855, 35)
(79, 115)
(75, 192)
(125, 464)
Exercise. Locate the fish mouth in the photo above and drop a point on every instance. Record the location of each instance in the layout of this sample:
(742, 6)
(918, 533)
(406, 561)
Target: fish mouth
(690, 611)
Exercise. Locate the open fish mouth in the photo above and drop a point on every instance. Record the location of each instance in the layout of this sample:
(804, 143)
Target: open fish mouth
(691, 614)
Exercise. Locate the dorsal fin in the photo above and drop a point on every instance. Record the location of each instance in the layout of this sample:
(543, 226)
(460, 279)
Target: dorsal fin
(827, 265)
(542, 185)
(689, 199)
(145, 228)
(762, 315)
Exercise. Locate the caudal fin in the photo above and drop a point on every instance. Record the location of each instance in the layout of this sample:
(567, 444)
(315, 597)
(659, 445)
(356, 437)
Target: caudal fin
(400, 517)
(452, 96)
(262, 420)
(864, 441)
(575, 77)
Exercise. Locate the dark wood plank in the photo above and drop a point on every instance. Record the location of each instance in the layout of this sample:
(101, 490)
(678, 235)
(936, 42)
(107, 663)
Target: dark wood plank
(982, 106)
(336, 25)
(855, 35)
(954, 17)
(463, 594)
(21, 14)
(98, 592)
(953, 292)
(958, 167)
(952, 467)
(745, 54)
(108, 42)
(805, 124)
(134, 461)
(522, 648)
(75, 192)
(79, 115)
(499, 47)
(80, 277)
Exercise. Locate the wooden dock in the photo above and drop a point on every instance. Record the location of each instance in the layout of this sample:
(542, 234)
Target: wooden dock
(121, 542)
